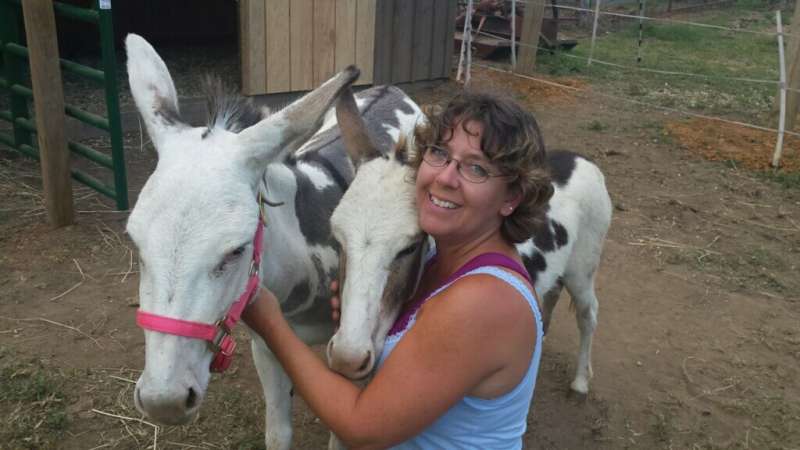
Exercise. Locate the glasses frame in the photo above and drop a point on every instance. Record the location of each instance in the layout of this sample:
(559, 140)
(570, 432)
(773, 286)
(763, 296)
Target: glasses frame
(458, 165)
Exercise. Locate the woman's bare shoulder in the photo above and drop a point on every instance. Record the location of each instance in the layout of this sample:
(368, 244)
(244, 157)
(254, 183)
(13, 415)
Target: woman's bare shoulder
(481, 299)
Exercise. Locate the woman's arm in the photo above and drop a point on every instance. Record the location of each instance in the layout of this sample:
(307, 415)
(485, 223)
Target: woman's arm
(460, 338)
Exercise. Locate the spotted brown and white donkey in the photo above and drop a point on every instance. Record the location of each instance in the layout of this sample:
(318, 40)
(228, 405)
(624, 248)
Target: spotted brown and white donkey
(383, 246)
(195, 219)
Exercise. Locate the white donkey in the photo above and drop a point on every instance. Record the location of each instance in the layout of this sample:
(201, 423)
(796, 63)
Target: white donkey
(376, 225)
(196, 217)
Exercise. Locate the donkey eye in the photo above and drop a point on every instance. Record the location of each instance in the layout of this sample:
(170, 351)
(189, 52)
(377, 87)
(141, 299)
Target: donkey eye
(229, 258)
(408, 250)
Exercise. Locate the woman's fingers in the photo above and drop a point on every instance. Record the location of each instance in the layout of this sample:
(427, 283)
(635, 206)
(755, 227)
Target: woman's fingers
(336, 303)
(335, 308)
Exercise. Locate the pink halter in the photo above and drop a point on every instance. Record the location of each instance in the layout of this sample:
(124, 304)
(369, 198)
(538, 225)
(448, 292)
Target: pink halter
(219, 334)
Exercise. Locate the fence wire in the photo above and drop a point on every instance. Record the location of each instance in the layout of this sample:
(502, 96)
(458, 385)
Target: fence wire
(597, 12)
(637, 102)
(649, 18)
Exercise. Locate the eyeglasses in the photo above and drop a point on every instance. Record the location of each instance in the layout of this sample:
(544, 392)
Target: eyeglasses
(474, 172)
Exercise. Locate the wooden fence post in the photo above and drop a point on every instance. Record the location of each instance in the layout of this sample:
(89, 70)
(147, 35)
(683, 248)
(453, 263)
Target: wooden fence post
(529, 41)
(48, 96)
(793, 73)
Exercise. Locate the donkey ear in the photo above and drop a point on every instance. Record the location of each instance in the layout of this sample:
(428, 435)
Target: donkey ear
(152, 88)
(284, 132)
(356, 138)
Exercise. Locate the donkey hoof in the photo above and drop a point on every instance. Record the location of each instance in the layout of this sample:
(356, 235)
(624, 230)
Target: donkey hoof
(579, 389)
(578, 397)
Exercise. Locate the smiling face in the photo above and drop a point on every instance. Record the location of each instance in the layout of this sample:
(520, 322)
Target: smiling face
(453, 209)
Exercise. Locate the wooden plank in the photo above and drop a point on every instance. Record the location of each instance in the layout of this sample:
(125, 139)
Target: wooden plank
(345, 53)
(301, 46)
(324, 50)
(403, 38)
(365, 39)
(448, 46)
(244, 46)
(254, 74)
(48, 100)
(529, 40)
(384, 42)
(422, 47)
(278, 60)
(439, 38)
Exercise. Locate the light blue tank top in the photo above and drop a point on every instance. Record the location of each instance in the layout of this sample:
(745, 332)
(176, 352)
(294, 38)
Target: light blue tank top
(476, 423)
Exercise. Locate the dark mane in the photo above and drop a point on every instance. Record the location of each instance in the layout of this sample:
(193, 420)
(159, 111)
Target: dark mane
(227, 109)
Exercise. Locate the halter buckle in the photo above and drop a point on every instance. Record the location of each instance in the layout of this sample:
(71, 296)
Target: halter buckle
(253, 268)
(224, 346)
(223, 332)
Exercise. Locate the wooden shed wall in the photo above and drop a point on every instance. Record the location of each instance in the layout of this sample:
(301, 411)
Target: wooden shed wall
(413, 40)
(295, 45)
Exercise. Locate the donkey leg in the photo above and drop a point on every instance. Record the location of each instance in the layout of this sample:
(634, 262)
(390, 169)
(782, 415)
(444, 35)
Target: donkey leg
(277, 396)
(549, 301)
(581, 289)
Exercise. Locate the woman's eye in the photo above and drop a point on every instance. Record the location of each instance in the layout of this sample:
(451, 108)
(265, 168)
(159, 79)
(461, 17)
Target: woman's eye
(478, 170)
(439, 153)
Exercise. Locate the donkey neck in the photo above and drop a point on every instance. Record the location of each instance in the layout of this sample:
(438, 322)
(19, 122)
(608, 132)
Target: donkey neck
(300, 256)
(280, 262)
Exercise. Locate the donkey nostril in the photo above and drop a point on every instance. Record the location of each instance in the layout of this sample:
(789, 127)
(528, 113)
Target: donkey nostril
(366, 363)
(191, 399)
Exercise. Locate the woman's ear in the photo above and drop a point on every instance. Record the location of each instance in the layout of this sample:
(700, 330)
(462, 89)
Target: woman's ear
(513, 199)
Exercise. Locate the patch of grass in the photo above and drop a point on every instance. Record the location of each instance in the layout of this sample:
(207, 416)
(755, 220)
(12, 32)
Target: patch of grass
(712, 54)
(786, 180)
(756, 4)
(33, 404)
(561, 64)
(657, 133)
(596, 125)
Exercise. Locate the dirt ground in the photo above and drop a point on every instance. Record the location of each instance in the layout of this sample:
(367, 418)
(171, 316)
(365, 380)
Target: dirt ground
(697, 346)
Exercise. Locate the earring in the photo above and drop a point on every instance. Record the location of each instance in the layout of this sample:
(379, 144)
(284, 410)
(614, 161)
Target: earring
(509, 210)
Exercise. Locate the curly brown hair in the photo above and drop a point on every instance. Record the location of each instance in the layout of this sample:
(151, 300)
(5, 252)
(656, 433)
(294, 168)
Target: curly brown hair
(510, 139)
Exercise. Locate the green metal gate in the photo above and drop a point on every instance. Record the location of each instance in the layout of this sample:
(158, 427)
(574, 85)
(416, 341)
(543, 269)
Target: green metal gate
(13, 58)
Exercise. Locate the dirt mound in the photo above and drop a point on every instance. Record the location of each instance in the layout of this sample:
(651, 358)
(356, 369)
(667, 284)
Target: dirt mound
(720, 141)
(530, 89)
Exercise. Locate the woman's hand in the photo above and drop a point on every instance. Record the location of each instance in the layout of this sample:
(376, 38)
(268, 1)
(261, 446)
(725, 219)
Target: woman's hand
(336, 303)
(262, 311)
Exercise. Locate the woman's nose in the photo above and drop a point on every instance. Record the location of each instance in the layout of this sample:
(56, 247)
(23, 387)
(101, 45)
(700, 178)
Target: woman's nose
(449, 176)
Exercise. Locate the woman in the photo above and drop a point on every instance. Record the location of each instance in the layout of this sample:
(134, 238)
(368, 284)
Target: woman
(459, 367)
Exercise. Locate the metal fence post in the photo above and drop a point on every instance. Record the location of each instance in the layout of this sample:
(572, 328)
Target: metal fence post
(112, 103)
